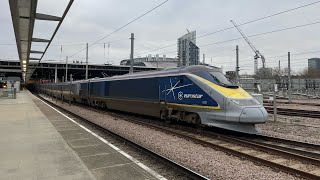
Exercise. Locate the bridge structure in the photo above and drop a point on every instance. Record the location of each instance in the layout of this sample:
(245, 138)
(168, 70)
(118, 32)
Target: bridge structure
(56, 71)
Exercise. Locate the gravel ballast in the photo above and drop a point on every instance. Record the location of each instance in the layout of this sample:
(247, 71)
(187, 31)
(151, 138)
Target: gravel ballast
(298, 107)
(293, 128)
(207, 161)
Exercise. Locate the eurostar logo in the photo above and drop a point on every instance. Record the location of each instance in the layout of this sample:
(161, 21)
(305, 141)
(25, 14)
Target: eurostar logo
(180, 95)
(174, 87)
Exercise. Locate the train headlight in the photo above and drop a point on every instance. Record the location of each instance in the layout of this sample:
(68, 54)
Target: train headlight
(245, 102)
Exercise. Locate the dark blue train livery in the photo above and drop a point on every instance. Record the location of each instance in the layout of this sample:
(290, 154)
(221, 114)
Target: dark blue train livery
(195, 94)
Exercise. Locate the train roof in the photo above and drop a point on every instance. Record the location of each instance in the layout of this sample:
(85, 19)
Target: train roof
(170, 71)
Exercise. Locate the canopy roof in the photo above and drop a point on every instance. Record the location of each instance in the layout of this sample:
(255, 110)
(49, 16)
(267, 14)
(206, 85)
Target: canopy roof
(23, 14)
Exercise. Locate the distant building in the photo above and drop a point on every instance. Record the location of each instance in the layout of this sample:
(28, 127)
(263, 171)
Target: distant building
(314, 64)
(314, 67)
(188, 51)
(152, 62)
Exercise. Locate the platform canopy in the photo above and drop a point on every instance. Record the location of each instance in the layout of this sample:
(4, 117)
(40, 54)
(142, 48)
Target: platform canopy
(24, 14)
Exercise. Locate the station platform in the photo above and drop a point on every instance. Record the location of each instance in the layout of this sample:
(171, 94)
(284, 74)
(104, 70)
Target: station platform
(37, 142)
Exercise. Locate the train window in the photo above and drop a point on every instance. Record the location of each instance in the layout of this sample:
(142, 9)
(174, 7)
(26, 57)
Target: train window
(216, 77)
(220, 79)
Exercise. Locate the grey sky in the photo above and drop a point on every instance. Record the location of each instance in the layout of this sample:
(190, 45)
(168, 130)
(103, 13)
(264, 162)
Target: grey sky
(88, 21)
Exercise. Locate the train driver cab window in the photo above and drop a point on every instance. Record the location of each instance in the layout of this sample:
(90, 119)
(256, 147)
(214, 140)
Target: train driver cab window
(216, 77)
(220, 79)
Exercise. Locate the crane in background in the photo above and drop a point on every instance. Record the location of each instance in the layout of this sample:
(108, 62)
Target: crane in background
(257, 53)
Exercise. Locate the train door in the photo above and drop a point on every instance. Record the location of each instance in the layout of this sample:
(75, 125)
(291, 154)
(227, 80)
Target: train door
(163, 97)
(224, 108)
(169, 94)
(88, 93)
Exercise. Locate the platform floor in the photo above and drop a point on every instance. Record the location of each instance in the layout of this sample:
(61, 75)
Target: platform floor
(36, 142)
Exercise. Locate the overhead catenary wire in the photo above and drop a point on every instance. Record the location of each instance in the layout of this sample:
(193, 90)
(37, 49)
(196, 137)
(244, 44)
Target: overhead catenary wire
(241, 24)
(275, 14)
(278, 57)
(295, 54)
(247, 62)
(273, 62)
(262, 18)
(264, 33)
(294, 61)
(258, 34)
(113, 32)
(144, 42)
(241, 51)
(279, 13)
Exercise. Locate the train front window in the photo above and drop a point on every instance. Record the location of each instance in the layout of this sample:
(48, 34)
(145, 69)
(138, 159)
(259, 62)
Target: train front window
(216, 77)
(220, 79)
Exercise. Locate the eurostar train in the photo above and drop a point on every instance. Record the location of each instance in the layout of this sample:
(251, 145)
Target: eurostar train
(197, 94)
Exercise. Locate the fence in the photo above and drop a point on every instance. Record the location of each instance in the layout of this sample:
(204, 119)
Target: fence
(267, 84)
(305, 87)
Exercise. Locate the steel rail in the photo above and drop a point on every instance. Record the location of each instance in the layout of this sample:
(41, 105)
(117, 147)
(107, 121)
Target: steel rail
(300, 103)
(287, 147)
(205, 141)
(208, 141)
(294, 112)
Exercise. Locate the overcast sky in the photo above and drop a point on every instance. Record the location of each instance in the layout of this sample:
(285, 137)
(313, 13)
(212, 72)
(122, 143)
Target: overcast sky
(88, 21)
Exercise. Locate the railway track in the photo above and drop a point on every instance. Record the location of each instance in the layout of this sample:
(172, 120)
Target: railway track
(269, 151)
(301, 148)
(297, 158)
(286, 102)
(294, 112)
(180, 168)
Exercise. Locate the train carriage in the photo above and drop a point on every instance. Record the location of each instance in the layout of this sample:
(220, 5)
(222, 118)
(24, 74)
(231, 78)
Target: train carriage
(196, 94)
